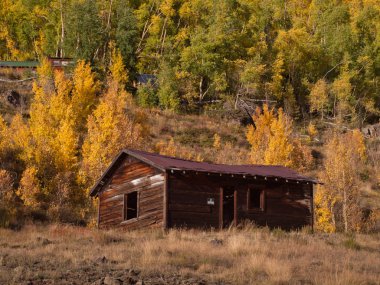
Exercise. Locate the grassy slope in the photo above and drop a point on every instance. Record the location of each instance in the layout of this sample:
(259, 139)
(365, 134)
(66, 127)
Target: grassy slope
(195, 134)
(68, 255)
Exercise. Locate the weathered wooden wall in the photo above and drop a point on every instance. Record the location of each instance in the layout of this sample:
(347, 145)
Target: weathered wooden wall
(133, 175)
(287, 205)
(188, 202)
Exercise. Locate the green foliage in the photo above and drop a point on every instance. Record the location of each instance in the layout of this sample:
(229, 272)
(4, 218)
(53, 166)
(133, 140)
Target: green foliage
(147, 96)
(85, 32)
(351, 243)
(126, 33)
(168, 90)
(318, 56)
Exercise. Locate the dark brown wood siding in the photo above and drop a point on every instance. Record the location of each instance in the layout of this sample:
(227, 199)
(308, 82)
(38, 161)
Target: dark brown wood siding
(133, 175)
(287, 205)
(188, 202)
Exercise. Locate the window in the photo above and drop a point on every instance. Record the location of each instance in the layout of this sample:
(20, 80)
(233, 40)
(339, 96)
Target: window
(255, 199)
(130, 205)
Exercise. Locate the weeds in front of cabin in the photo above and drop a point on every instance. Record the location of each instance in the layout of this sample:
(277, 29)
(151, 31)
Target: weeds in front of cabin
(351, 243)
(248, 255)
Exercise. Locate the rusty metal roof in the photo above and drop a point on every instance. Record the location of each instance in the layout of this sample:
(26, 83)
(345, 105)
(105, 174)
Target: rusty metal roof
(166, 163)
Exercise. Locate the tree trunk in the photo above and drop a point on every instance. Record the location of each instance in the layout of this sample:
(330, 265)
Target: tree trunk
(200, 89)
(62, 30)
(345, 210)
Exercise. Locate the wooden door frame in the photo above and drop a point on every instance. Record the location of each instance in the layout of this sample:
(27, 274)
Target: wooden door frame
(221, 195)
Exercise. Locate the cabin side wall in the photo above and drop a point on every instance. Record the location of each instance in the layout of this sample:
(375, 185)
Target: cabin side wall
(132, 175)
(287, 205)
(187, 202)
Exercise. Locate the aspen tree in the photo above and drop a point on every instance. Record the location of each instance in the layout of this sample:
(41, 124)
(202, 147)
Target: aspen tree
(84, 93)
(109, 127)
(117, 67)
(344, 155)
(4, 138)
(29, 188)
(272, 141)
(318, 97)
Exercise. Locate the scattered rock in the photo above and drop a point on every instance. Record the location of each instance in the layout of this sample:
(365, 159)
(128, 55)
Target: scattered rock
(18, 273)
(130, 280)
(134, 272)
(316, 263)
(2, 260)
(45, 241)
(304, 282)
(111, 281)
(216, 241)
(102, 259)
(98, 282)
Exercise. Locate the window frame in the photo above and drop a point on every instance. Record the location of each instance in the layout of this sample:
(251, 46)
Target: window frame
(261, 208)
(125, 203)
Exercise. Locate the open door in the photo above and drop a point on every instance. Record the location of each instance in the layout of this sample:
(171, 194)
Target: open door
(227, 207)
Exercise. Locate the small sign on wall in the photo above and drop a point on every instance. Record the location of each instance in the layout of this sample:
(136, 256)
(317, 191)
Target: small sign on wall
(211, 201)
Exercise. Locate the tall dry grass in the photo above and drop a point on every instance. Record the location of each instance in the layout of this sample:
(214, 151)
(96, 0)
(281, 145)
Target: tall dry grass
(57, 253)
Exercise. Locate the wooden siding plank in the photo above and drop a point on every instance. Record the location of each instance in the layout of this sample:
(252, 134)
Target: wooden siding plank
(133, 175)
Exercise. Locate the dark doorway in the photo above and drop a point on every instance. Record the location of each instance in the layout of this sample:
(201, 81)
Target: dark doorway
(228, 207)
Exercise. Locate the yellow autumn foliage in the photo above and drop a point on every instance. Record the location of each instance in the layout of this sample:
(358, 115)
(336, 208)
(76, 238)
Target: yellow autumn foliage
(29, 188)
(21, 137)
(272, 141)
(117, 67)
(324, 203)
(277, 77)
(318, 97)
(109, 128)
(217, 142)
(6, 187)
(4, 139)
(344, 155)
(279, 149)
(84, 93)
(312, 131)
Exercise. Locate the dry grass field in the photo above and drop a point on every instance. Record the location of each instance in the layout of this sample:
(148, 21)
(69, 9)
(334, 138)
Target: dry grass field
(60, 254)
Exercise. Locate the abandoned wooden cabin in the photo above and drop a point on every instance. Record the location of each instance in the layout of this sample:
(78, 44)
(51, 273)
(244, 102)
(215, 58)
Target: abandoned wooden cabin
(141, 189)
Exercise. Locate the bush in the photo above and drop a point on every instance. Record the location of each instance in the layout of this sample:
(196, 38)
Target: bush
(146, 96)
(351, 243)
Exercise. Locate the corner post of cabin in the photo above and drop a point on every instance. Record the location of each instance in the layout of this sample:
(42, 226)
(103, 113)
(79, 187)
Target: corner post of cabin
(312, 206)
(166, 201)
(235, 208)
(98, 219)
(221, 208)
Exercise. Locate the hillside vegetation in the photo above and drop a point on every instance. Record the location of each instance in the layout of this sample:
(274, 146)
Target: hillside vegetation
(235, 81)
(318, 56)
